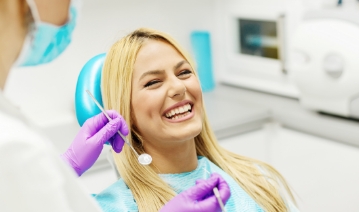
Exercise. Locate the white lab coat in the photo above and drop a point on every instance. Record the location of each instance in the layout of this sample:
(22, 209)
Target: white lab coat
(32, 175)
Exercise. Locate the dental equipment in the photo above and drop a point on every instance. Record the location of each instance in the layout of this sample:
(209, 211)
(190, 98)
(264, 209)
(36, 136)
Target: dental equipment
(144, 158)
(216, 194)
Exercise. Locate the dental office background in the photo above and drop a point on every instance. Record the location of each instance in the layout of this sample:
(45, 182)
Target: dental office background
(286, 89)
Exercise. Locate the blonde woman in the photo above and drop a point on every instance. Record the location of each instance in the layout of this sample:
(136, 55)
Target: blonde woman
(151, 81)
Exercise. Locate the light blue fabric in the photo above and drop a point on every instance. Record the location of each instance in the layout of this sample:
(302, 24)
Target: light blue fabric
(118, 196)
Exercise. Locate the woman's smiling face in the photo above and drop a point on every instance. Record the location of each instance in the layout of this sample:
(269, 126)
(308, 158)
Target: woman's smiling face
(166, 99)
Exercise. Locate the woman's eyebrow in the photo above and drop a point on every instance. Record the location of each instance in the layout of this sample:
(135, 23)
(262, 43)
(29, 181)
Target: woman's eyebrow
(159, 72)
(179, 64)
(153, 72)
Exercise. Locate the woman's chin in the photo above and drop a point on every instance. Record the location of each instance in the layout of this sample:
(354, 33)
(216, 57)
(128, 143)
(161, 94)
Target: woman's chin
(186, 133)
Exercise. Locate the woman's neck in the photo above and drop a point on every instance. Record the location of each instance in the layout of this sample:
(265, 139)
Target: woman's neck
(175, 159)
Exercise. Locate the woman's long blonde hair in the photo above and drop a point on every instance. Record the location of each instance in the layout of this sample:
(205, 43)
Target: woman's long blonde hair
(149, 190)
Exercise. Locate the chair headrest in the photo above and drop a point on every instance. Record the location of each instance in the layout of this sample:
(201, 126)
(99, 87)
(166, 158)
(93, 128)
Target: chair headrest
(89, 79)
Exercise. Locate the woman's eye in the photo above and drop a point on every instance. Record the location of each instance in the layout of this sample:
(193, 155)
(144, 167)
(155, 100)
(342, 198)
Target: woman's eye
(150, 83)
(185, 72)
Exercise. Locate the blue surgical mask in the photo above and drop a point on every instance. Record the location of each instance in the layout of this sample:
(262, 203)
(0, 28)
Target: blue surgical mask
(45, 41)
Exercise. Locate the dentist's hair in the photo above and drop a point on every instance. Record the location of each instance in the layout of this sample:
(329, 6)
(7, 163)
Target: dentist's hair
(261, 181)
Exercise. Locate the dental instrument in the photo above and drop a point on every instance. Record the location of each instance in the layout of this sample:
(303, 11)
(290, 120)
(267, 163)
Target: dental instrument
(144, 158)
(216, 194)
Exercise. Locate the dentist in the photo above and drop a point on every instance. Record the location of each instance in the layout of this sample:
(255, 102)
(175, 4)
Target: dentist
(32, 175)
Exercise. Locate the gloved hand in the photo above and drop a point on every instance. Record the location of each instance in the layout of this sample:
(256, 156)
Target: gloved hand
(88, 143)
(200, 198)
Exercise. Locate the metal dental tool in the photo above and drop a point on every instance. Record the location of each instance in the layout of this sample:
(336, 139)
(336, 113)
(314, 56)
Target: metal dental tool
(144, 158)
(216, 193)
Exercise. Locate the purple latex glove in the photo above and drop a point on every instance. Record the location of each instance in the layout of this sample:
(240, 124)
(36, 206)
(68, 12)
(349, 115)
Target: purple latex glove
(200, 198)
(88, 143)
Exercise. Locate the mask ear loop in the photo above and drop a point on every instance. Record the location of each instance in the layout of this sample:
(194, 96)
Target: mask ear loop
(34, 11)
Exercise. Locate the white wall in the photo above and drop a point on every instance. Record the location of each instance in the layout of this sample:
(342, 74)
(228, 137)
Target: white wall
(322, 173)
(46, 93)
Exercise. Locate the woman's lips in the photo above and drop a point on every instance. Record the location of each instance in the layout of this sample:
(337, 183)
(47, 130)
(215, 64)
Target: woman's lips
(181, 117)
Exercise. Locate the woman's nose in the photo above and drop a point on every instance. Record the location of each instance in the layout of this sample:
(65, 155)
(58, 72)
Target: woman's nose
(176, 88)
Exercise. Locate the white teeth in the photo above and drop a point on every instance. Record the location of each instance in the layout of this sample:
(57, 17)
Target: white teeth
(178, 110)
(180, 116)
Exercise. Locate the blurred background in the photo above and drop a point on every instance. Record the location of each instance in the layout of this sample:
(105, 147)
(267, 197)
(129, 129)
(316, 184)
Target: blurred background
(281, 84)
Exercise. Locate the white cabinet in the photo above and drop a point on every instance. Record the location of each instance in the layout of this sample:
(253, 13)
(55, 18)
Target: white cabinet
(323, 174)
